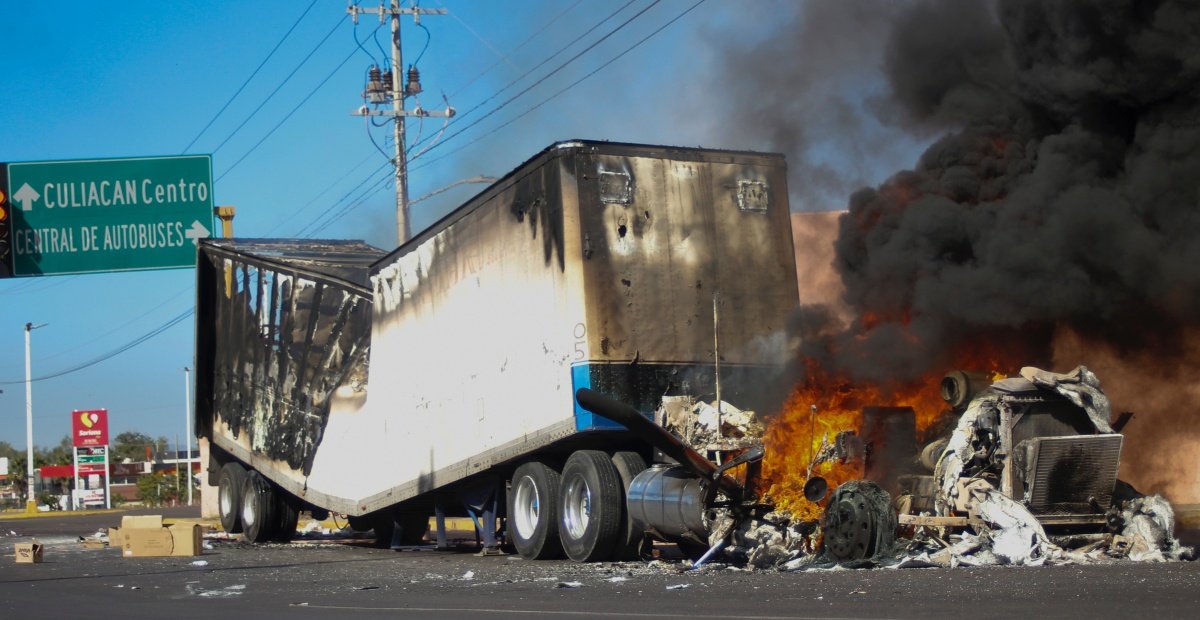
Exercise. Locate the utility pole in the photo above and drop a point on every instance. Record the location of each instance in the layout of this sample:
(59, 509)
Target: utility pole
(380, 89)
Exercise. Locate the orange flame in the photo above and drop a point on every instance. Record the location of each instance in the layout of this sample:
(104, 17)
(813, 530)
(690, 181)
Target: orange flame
(823, 406)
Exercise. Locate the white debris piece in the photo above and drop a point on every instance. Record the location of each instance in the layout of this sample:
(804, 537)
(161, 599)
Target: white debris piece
(1017, 537)
(679, 586)
(1148, 532)
(226, 592)
(702, 426)
(200, 563)
(569, 584)
(468, 576)
(314, 527)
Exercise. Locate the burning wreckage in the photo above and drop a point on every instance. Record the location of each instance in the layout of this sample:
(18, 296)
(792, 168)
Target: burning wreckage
(320, 360)
(1025, 475)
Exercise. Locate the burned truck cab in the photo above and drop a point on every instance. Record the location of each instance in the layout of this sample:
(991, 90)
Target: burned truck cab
(1041, 439)
(1034, 453)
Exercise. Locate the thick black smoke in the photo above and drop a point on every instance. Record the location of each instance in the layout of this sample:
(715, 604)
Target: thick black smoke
(1067, 192)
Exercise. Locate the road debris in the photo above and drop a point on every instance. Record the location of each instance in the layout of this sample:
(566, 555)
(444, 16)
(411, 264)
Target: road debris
(704, 426)
(679, 586)
(1025, 477)
(569, 584)
(226, 592)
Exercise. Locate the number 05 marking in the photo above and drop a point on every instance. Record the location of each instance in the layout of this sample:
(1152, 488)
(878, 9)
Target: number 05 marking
(580, 334)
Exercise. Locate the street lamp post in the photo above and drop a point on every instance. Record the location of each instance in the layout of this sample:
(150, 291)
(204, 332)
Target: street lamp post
(30, 498)
(187, 436)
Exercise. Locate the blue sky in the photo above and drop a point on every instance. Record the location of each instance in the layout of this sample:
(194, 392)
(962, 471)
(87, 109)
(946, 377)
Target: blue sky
(86, 79)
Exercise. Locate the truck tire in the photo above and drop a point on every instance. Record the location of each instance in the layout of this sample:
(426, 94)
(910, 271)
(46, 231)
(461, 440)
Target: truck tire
(259, 519)
(590, 505)
(629, 542)
(229, 496)
(533, 512)
(287, 511)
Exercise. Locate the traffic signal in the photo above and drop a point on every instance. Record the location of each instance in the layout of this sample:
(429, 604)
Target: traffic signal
(5, 225)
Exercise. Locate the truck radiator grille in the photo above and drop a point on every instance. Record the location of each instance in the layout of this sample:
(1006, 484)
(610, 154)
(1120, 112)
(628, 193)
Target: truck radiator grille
(1070, 475)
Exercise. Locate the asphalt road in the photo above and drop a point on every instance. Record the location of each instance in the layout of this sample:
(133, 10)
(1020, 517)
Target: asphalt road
(338, 580)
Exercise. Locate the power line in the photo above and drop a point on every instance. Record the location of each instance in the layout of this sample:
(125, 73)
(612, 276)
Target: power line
(281, 84)
(117, 328)
(518, 79)
(504, 57)
(115, 352)
(288, 115)
(313, 225)
(32, 285)
(556, 94)
(377, 187)
(312, 201)
(189, 312)
(547, 76)
(252, 74)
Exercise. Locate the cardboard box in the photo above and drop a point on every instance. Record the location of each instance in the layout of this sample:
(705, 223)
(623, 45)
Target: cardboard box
(145, 536)
(28, 553)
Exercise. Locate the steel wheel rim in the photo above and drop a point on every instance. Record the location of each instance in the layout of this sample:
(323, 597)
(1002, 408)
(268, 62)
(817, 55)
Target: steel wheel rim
(226, 501)
(577, 509)
(528, 507)
(248, 516)
(850, 533)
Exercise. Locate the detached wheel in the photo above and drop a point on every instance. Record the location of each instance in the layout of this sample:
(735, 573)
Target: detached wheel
(592, 501)
(859, 522)
(533, 512)
(630, 540)
(229, 496)
(259, 518)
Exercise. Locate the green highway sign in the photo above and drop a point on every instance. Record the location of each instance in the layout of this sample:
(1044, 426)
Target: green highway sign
(121, 214)
(92, 458)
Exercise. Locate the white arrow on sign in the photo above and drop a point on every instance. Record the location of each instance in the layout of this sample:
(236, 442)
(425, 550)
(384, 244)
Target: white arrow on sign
(26, 196)
(196, 233)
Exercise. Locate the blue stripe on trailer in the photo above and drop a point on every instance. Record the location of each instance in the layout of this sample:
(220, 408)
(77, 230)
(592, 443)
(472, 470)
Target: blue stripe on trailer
(581, 377)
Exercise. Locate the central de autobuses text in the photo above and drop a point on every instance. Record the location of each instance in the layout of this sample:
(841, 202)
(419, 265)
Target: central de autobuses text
(111, 237)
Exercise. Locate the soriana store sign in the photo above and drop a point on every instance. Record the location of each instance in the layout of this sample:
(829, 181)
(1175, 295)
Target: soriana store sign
(89, 428)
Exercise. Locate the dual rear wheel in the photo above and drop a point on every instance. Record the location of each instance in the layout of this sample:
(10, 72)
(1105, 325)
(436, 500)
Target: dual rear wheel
(579, 512)
(251, 505)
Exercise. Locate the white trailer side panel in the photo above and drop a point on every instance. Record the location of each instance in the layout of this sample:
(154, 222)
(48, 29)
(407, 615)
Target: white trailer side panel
(473, 335)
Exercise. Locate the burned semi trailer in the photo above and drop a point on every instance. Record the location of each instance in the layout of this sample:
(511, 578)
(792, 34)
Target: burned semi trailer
(441, 378)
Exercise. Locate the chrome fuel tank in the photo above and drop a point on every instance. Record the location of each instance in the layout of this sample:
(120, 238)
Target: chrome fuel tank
(669, 501)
